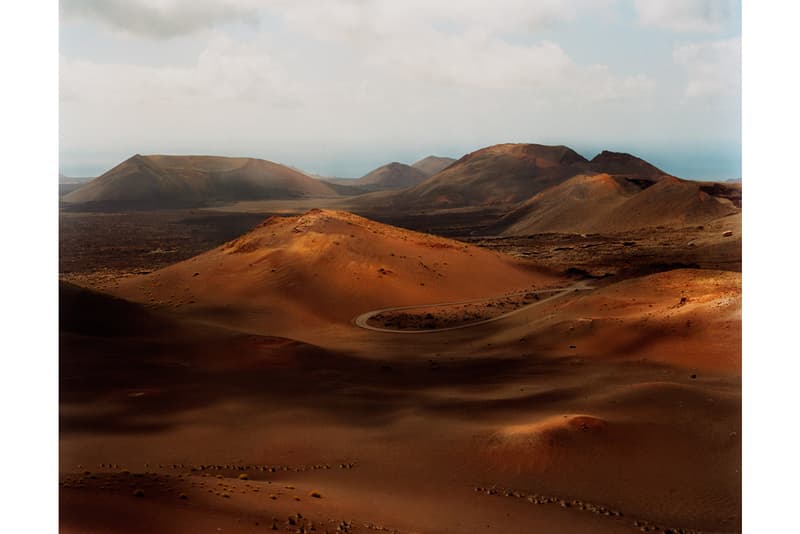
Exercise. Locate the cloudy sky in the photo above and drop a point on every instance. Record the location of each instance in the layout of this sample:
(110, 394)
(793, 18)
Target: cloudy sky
(338, 87)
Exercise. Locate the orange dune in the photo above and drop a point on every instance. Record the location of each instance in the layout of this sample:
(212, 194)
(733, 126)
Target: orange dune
(328, 266)
(685, 317)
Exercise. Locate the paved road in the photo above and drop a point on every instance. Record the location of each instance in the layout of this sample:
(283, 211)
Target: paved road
(362, 319)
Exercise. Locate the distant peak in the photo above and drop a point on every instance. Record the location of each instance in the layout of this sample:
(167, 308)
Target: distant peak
(623, 163)
(557, 153)
(138, 159)
(672, 180)
(607, 155)
(431, 159)
(433, 164)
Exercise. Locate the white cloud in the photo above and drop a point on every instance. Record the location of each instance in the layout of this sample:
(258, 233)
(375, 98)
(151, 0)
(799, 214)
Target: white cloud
(713, 68)
(479, 60)
(332, 19)
(465, 44)
(368, 21)
(161, 18)
(374, 19)
(225, 70)
(686, 15)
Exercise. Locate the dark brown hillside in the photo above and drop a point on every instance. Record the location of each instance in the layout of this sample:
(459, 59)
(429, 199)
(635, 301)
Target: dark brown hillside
(493, 176)
(147, 182)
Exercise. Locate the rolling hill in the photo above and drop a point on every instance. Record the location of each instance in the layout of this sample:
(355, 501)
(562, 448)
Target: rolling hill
(555, 189)
(328, 266)
(670, 202)
(145, 182)
(603, 203)
(626, 166)
(392, 176)
(577, 205)
(433, 164)
(494, 176)
(386, 177)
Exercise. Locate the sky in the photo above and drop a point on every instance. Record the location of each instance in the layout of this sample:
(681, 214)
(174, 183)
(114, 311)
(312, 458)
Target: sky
(339, 87)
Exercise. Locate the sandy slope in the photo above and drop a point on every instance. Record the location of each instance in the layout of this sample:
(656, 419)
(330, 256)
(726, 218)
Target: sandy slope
(670, 202)
(581, 204)
(687, 317)
(328, 266)
(611, 204)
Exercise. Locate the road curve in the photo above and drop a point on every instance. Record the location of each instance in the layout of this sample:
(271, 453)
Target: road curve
(361, 320)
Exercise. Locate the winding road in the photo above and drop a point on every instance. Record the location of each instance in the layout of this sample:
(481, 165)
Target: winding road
(361, 320)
